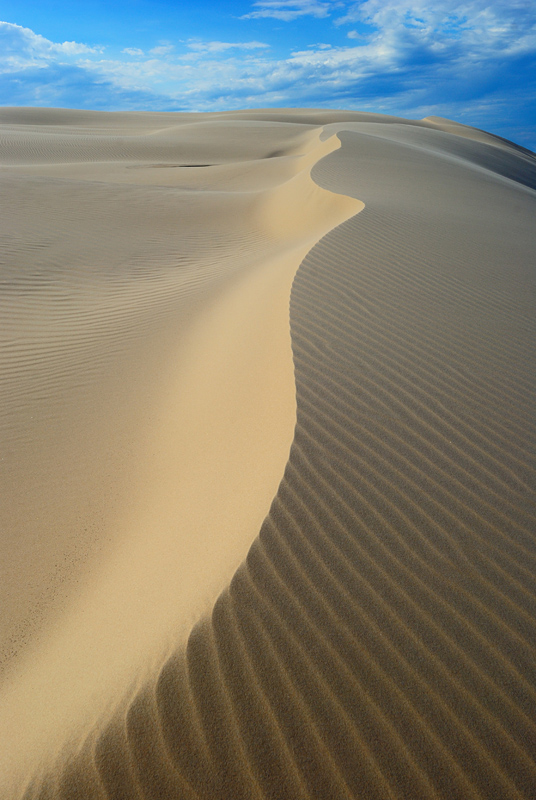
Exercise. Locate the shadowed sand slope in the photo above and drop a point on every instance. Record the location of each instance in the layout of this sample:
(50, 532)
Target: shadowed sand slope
(379, 639)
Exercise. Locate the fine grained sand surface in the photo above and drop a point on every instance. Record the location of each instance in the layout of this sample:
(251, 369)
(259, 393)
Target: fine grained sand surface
(242, 559)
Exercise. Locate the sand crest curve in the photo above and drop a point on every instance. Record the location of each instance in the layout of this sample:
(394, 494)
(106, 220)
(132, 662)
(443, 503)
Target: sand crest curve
(378, 640)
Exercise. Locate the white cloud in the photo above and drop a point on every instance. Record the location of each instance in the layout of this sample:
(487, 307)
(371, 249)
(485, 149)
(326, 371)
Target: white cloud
(74, 48)
(162, 50)
(478, 23)
(132, 51)
(288, 10)
(21, 46)
(220, 47)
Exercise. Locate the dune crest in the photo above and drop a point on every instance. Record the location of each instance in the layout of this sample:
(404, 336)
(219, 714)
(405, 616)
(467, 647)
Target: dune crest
(378, 640)
(204, 344)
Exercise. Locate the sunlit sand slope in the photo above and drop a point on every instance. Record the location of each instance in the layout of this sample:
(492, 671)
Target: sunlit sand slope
(147, 395)
(379, 640)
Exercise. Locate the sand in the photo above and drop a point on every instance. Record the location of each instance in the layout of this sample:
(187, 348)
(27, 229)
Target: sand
(249, 552)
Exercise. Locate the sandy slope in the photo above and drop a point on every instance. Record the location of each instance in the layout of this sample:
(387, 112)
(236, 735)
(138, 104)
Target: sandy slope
(378, 640)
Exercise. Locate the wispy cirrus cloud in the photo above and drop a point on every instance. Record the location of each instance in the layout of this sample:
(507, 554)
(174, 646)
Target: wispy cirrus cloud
(200, 46)
(477, 23)
(288, 10)
(71, 86)
(162, 50)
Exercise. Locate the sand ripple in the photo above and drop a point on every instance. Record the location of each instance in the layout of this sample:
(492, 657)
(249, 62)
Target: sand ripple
(379, 639)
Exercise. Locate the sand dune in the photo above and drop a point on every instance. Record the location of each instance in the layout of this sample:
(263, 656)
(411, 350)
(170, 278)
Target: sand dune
(248, 559)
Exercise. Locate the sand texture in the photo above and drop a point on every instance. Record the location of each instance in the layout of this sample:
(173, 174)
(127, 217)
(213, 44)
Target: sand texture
(247, 553)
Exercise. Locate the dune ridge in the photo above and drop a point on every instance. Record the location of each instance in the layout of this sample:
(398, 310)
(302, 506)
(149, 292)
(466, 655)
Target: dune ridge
(379, 639)
(149, 400)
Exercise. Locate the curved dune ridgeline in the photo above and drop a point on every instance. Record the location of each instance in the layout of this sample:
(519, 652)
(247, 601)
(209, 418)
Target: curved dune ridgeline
(148, 395)
(379, 639)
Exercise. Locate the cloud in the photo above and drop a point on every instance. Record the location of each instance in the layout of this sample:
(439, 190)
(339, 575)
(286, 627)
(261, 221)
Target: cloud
(162, 50)
(477, 23)
(69, 86)
(288, 10)
(74, 48)
(21, 46)
(220, 47)
(132, 51)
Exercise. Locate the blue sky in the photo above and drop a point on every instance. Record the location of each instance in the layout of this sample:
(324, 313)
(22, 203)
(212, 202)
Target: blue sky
(470, 60)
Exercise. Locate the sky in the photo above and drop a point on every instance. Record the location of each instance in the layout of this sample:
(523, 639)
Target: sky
(469, 60)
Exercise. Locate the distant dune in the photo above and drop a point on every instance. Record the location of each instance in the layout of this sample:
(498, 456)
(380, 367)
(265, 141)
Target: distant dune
(252, 554)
